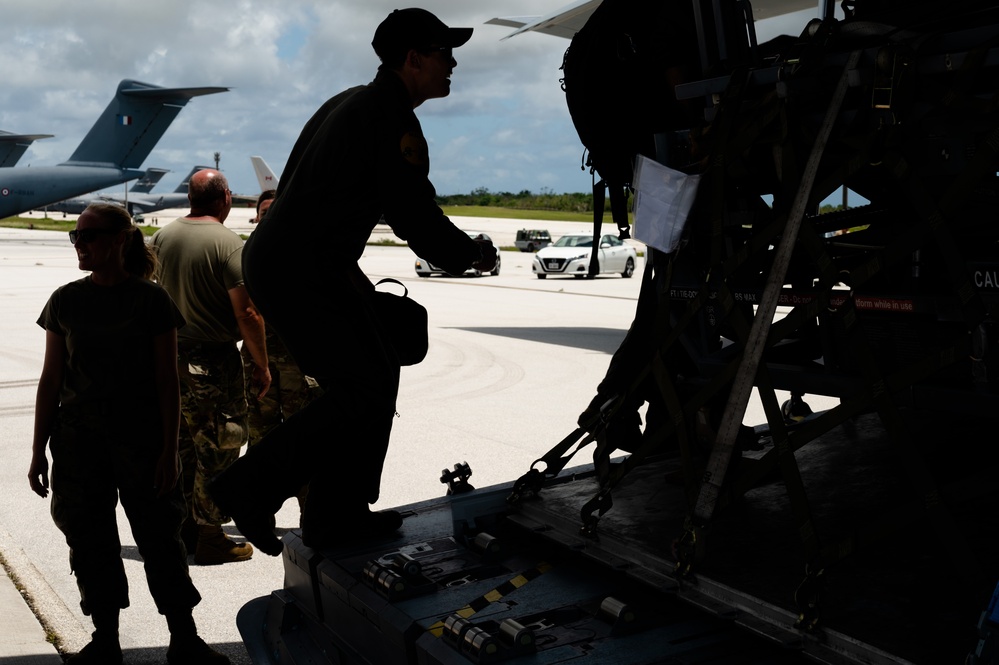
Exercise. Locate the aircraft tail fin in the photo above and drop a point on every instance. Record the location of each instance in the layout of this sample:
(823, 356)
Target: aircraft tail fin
(12, 146)
(133, 122)
(183, 186)
(265, 176)
(145, 184)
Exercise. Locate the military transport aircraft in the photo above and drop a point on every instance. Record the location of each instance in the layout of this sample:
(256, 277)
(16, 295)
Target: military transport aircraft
(136, 201)
(78, 204)
(12, 146)
(115, 147)
(146, 203)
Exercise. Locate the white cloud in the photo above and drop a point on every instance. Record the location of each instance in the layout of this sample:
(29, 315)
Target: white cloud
(504, 127)
(63, 60)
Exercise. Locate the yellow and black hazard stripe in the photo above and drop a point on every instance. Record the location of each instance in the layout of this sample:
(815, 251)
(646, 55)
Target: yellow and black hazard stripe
(486, 599)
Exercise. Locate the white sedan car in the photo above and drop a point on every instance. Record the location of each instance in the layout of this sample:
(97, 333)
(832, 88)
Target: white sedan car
(570, 255)
(425, 269)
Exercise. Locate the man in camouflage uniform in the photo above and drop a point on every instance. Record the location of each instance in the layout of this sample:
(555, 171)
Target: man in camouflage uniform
(290, 389)
(200, 266)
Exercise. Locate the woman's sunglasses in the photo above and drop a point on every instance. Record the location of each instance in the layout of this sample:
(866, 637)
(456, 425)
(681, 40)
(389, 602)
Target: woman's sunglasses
(89, 235)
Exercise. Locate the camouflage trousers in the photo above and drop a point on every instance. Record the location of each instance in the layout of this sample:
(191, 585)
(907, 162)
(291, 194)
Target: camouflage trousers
(213, 405)
(101, 459)
(289, 393)
(290, 390)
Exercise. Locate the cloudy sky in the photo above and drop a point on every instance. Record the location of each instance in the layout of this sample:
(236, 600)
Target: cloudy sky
(505, 126)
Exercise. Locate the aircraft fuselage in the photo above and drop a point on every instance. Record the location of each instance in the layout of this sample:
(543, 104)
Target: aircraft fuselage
(26, 189)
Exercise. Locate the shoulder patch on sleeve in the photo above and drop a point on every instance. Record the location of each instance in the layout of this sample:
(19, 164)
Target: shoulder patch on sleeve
(414, 149)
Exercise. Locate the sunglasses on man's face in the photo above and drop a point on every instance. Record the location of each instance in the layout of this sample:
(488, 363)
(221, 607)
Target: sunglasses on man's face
(446, 51)
(89, 235)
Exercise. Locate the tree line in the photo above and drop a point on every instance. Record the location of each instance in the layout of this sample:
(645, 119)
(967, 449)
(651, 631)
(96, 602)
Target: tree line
(544, 200)
(524, 200)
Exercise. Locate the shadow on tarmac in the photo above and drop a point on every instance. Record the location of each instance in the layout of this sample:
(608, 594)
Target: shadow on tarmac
(149, 656)
(603, 340)
(131, 552)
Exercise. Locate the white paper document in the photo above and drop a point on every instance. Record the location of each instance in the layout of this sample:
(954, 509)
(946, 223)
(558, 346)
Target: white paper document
(663, 198)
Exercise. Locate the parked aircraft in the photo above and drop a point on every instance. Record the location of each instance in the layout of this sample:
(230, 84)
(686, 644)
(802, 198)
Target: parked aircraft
(146, 203)
(12, 146)
(115, 147)
(145, 184)
(78, 204)
(265, 176)
(135, 201)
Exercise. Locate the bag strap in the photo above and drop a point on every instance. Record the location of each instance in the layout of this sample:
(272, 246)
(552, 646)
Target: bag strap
(599, 197)
(393, 280)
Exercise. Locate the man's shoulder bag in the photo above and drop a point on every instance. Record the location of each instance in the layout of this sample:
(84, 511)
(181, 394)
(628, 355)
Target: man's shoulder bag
(404, 322)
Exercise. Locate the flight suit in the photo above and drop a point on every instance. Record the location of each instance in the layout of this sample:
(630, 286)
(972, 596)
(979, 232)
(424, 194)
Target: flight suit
(362, 156)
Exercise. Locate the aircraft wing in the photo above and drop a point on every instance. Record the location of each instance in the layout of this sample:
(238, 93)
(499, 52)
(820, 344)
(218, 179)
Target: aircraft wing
(567, 21)
(564, 22)
(512, 21)
(12, 146)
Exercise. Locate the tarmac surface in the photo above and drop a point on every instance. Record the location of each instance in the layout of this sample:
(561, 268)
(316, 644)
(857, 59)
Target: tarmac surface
(513, 361)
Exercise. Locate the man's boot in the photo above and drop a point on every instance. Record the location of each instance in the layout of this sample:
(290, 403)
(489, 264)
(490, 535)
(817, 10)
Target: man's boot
(104, 648)
(193, 651)
(256, 523)
(186, 648)
(214, 547)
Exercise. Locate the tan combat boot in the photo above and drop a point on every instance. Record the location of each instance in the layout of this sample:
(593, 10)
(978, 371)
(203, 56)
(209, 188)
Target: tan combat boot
(214, 547)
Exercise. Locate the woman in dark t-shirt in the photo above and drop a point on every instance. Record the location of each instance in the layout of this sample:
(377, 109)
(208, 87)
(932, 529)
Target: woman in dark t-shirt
(108, 407)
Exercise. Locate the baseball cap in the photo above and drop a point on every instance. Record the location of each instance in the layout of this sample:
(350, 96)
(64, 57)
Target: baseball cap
(404, 29)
